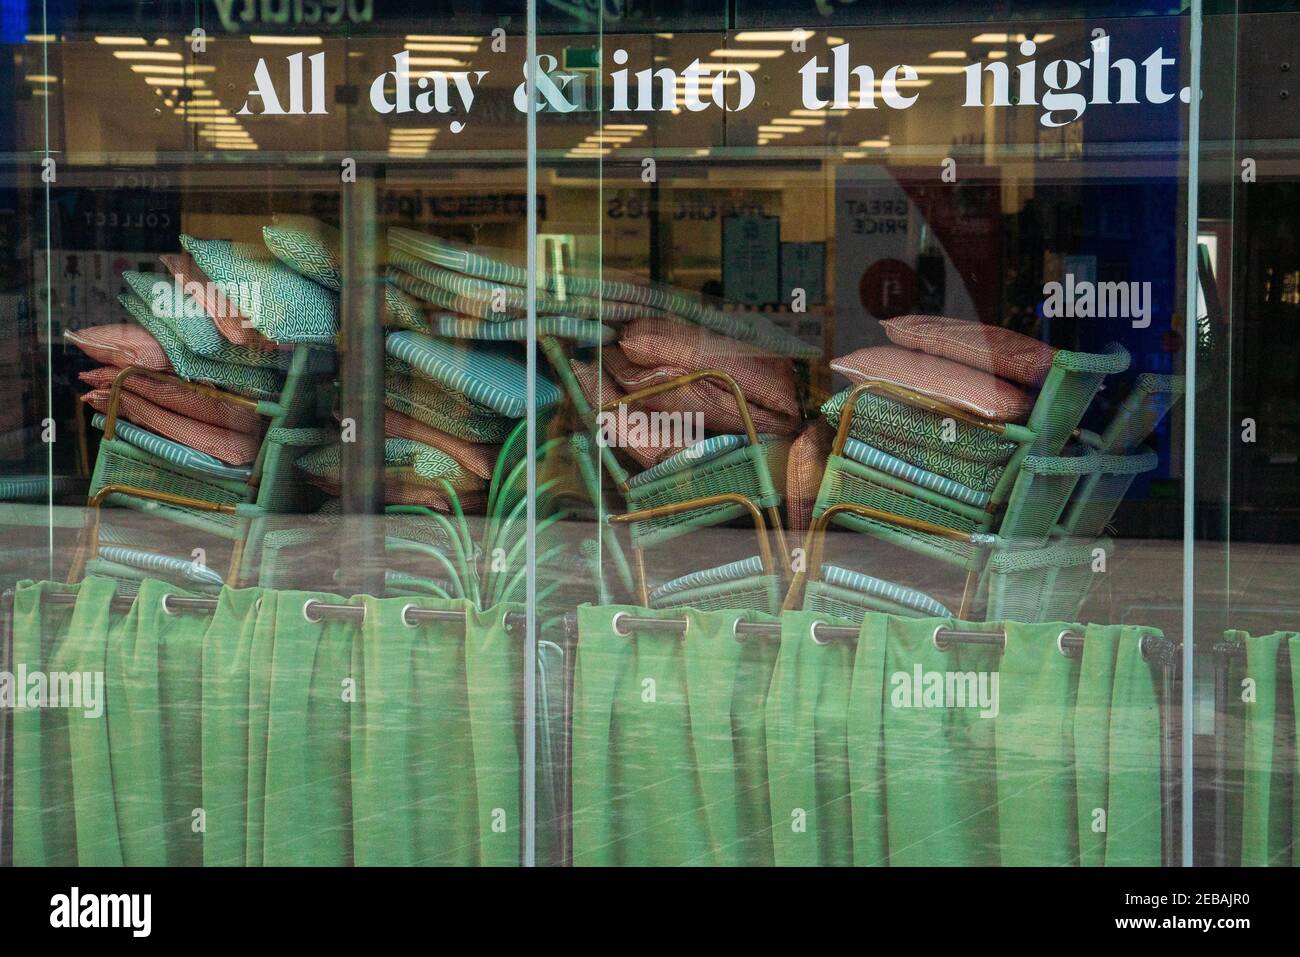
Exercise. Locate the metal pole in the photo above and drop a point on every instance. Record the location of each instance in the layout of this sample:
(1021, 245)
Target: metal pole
(530, 550)
(361, 376)
(1189, 433)
(1222, 672)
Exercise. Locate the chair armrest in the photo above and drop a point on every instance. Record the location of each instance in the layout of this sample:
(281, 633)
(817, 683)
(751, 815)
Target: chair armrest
(710, 501)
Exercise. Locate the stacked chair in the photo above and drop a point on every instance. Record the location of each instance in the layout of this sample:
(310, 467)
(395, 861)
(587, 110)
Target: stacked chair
(1051, 583)
(923, 462)
(645, 336)
(204, 400)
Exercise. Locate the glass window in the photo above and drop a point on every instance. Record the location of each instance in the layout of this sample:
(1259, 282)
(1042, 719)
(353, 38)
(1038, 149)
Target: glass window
(556, 433)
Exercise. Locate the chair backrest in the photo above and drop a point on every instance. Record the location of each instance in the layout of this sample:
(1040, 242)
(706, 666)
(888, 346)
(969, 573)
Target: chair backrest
(1099, 494)
(1150, 400)
(1120, 458)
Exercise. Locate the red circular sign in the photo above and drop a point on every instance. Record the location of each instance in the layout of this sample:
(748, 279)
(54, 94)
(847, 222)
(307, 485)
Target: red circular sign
(888, 288)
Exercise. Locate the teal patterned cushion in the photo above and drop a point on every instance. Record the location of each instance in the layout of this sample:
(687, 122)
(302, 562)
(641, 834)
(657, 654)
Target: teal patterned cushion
(440, 408)
(191, 322)
(307, 246)
(287, 307)
(243, 379)
(490, 376)
(404, 460)
(975, 457)
(311, 248)
(402, 311)
(865, 454)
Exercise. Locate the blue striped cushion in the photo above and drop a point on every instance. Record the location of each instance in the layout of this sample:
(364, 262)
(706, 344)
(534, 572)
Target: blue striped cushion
(732, 571)
(899, 594)
(584, 332)
(490, 376)
(179, 455)
(713, 447)
(610, 289)
(165, 564)
(14, 488)
(876, 459)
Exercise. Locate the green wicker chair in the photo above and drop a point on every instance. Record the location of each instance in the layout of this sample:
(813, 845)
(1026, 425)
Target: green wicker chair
(229, 507)
(967, 485)
(684, 494)
(1043, 584)
(1099, 493)
(1053, 581)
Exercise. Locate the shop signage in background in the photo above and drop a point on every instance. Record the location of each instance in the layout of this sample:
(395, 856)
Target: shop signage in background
(233, 17)
(751, 260)
(253, 15)
(96, 234)
(417, 206)
(906, 244)
(83, 286)
(803, 266)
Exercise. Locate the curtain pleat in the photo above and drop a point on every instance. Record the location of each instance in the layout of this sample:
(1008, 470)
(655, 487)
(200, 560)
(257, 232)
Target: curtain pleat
(252, 735)
(888, 750)
(1266, 684)
(669, 743)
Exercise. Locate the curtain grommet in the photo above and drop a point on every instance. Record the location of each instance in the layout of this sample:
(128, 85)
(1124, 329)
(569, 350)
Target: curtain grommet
(812, 633)
(405, 620)
(735, 631)
(166, 606)
(934, 640)
(257, 606)
(618, 615)
(1060, 643)
(306, 612)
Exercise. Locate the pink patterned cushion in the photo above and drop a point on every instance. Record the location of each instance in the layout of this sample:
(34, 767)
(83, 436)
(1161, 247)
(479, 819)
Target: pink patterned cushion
(807, 462)
(233, 448)
(179, 399)
(122, 344)
(479, 458)
(230, 322)
(680, 348)
(979, 392)
(1003, 352)
(714, 401)
(598, 387)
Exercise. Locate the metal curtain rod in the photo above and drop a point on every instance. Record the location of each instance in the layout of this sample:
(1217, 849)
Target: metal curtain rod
(1067, 642)
(312, 609)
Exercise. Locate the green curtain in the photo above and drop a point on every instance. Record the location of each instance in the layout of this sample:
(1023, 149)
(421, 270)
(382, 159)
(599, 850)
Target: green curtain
(807, 739)
(121, 786)
(669, 750)
(252, 735)
(968, 754)
(1266, 686)
(887, 750)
